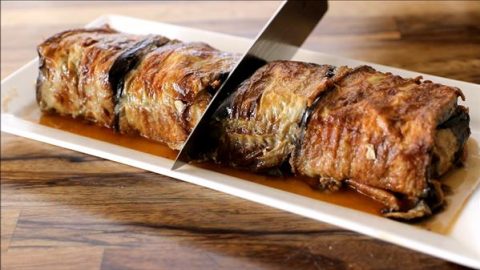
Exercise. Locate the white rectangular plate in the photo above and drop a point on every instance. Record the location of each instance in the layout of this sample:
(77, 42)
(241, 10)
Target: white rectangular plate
(460, 244)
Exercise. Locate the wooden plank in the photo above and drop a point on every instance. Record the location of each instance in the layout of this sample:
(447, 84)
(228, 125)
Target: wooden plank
(9, 219)
(64, 258)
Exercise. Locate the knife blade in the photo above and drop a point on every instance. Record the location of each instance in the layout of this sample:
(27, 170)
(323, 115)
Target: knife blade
(280, 39)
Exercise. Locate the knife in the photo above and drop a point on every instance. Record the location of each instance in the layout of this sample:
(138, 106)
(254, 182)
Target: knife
(279, 40)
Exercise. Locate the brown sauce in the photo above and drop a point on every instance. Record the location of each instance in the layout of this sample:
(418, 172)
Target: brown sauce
(346, 197)
(83, 128)
(462, 181)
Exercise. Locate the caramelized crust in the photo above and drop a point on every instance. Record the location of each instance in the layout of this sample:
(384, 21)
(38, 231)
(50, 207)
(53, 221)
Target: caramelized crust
(73, 78)
(262, 122)
(376, 129)
(165, 95)
(387, 137)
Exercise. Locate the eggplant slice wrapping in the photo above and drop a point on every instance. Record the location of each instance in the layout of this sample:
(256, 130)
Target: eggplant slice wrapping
(164, 96)
(74, 68)
(385, 136)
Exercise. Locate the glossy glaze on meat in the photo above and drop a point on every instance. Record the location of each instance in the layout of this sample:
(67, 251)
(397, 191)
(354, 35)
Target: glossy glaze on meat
(265, 113)
(383, 135)
(377, 131)
(388, 137)
(165, 95)
(74, 67)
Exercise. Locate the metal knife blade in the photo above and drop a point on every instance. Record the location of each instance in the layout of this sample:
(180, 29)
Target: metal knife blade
(280, 38)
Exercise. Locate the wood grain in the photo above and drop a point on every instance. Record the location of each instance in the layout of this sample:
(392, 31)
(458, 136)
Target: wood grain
(71, 258)
(9, 222)
(66, 210)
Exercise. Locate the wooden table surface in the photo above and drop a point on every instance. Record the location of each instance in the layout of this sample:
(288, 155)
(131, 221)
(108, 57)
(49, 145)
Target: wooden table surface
(65, 210)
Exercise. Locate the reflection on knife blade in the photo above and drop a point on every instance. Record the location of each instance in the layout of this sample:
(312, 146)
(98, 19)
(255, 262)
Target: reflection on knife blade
(280, 39)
